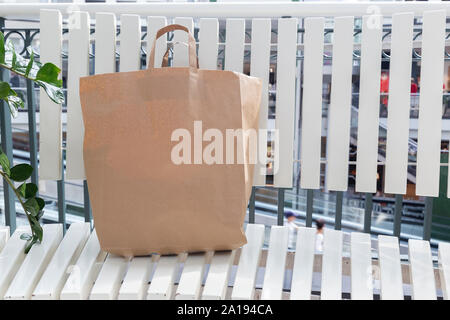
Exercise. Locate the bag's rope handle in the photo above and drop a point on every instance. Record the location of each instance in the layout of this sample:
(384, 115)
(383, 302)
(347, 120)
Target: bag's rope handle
(193, 61)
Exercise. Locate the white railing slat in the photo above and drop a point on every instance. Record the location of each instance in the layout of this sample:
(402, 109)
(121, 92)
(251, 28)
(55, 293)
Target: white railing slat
(153, 25)
(332, 265)
(369, 106)
(421, 270)
(50, 123)
(339, 113)
(430, 104)
(161, 285)
(311, 127)
(35, 263)
(191, 277)
(135, 283)
(4, 236)
(78, 66)
(276, 263)
(285, 102)
(11, 258)
(444, 268)
(84, 272)
(234, 45)
(107, 284)
(259, 67)
(361, 266)
(105, 43)
(55, 275)
(180, 51)
(130, 42)
(219, 271)
(302, 272)
(244, 283)
(391, 285)
(399, 104)
(208, 47)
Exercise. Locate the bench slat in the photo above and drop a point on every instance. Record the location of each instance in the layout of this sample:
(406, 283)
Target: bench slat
(50, 122)
(369, 104)
(276, 263)
(259, 67)
(105, 43)
(391, 285)
(108, 282)
(11, 258)
(244, 283)
(161, 285)
(130, 42)
(361, 266)
(332, 265)
(234, 45)
(208, 47)
(285, 103)
(444, 268)
(85, 271)
(219, 271)
(191, 277)
(78, 66)
(302, 271)
(135, 283)
(430, 104)
(311, 134)
(180, 52)
(399, 104)
(339, 113)
(153, 25)
(421, 270)
(55, 275)
(35, 263)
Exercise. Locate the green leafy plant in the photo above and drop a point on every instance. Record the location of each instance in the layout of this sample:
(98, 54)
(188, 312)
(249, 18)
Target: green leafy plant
(47, 77)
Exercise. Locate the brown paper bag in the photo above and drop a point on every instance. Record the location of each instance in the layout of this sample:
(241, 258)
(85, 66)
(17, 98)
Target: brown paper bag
(143, 200)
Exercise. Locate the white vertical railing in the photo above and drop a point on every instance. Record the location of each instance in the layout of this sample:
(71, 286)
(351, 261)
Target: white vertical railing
(78, 66)
(50, 125)
(287, 49)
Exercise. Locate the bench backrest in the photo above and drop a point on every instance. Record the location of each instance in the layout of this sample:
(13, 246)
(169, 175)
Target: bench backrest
(289, 74)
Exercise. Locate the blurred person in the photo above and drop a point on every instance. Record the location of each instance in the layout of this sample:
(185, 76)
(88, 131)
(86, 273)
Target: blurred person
(320, 225)
(290, 217)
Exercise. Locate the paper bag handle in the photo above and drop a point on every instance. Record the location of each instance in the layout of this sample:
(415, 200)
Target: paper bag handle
(193, 61)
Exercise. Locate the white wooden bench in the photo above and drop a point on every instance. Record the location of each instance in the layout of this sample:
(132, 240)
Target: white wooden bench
(74, 267)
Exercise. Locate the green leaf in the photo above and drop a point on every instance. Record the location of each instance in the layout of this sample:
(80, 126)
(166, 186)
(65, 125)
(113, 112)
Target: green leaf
(26, 236)
(4, 162)
(55, 93)
(27, 190)
(46, 76)
(10, 97)
(5, 89)
(2, 48)
(32, 207)
(30, 190)
(21, 172)
(40, 214)
(30, 65)
(37, 230)
(48, 73)
(21, 189)
(40, 202)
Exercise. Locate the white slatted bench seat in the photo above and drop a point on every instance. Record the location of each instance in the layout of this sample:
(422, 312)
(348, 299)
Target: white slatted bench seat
(74, 267)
